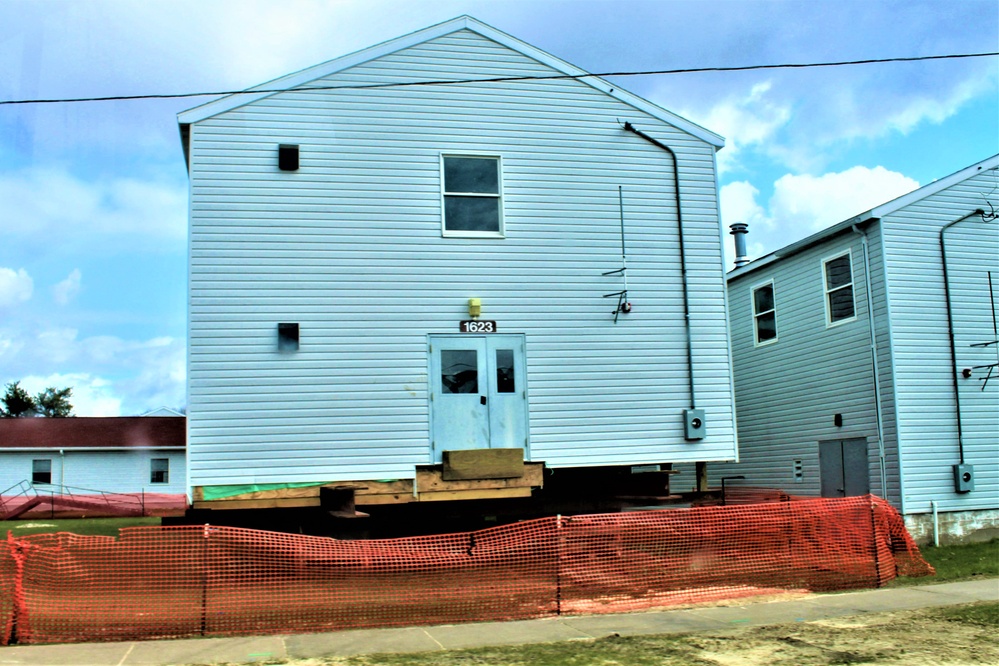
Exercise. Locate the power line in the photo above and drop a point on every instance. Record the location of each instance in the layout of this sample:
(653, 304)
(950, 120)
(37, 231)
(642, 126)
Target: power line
(500, 79)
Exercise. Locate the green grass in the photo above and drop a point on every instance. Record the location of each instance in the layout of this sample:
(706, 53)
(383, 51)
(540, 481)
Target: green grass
(82, 526)
(984, 614)
(955, 563)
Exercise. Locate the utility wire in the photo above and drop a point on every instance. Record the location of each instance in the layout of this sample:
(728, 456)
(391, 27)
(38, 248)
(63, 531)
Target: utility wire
(500, 79)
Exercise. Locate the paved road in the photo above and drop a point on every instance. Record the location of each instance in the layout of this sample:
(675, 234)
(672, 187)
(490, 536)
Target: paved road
(451, 637)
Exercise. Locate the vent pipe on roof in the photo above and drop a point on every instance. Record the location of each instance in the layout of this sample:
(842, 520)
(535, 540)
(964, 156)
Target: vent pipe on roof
(739, 230)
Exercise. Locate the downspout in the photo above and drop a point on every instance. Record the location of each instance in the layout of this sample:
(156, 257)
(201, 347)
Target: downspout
(683, 256)
(874, 361)
(950, 325)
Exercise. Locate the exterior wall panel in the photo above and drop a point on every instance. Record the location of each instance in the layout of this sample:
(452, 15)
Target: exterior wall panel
(350, 247)
(926, 403)
(107, 471)
(789, 391)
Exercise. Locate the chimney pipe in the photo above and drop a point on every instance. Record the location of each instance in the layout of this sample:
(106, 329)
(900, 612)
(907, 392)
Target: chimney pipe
(739, 230)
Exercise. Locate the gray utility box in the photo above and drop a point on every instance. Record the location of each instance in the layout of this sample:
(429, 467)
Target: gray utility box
(964, 478)
(693, 424)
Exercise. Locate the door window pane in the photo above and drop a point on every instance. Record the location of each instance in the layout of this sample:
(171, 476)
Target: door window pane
(459, 371)
(504, 371)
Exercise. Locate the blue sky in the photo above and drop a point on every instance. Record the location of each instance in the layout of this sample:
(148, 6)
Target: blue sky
(93, 196)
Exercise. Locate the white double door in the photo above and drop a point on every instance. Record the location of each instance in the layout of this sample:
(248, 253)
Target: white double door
(478, 392)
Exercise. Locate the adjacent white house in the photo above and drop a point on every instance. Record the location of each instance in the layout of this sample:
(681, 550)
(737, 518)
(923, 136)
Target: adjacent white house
(866, 358)
(93, 457)
(450, 242)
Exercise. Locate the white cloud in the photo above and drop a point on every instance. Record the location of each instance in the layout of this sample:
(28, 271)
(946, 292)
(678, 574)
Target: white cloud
(815, 202)
(738, 204)
(804, 204)
(15, 286)
(109, 375)
(745, 120)
(65, 291)
(47, 203)
(92, 396)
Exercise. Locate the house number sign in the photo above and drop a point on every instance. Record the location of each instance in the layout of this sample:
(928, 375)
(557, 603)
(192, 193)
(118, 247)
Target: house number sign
(476, 326)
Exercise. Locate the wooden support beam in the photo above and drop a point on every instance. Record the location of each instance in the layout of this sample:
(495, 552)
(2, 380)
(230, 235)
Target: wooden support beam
(455, 495)
(701, 469)
(338, 501)
(483, 464)
(429, 481)
(272, 503)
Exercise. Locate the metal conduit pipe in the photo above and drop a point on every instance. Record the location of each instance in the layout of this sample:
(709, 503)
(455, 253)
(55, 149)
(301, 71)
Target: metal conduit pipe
(874, 361)
(683, 255)
(950, 324)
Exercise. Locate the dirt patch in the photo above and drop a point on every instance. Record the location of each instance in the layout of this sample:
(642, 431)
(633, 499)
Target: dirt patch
(914, 638)
(957, 636)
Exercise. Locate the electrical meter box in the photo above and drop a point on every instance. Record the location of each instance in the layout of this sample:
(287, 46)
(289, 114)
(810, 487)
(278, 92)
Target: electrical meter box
(964, 478)
(693, 424)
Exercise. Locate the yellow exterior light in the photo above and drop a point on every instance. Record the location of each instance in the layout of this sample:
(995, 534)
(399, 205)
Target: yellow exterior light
(474, 307)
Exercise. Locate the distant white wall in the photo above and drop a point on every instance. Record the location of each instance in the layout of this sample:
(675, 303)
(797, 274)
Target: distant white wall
(108, 471)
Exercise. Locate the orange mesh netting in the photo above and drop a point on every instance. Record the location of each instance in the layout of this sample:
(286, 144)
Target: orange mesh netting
(215, 581)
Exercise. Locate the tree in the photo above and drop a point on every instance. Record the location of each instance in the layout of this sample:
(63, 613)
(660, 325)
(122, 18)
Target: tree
(17, 402)
(54, 403)
(51, 402)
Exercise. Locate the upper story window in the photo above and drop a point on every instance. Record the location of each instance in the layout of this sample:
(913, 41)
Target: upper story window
(473, 201)
(765, 313)
(838, 274)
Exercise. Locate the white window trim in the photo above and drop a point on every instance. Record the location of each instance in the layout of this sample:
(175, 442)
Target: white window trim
(499, 175)
(825, 289)
(752, 304)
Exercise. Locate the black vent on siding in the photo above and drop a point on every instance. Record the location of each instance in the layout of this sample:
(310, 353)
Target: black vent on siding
(288, 157)
(287, 337)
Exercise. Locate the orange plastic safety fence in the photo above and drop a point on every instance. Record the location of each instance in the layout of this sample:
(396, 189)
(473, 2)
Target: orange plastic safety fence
(215, 581)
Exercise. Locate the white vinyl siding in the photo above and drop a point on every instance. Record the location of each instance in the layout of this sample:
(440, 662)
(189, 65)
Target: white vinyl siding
(923, 365)
(788, 394)
(350, 247)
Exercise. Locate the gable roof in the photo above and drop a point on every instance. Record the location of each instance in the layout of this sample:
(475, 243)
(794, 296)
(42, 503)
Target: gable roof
(76, 432)
(872, 215)
(433, 32)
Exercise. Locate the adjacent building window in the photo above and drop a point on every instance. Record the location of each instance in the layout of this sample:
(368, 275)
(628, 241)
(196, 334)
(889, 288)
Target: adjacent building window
(472, 199)
(765, 314)
(159, 470)
(41, 470)
(838, 274)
